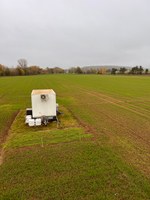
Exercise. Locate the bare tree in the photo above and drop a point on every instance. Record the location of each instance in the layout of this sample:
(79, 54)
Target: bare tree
(22, 63)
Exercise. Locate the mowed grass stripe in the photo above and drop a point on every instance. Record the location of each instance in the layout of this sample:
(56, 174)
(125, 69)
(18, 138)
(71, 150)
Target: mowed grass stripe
(21, 135)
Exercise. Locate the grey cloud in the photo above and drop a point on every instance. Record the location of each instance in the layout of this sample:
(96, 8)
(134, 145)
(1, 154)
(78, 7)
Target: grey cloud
(75, 32)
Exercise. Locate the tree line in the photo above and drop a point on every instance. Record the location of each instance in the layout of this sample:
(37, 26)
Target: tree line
(138, 70)
(23, 69)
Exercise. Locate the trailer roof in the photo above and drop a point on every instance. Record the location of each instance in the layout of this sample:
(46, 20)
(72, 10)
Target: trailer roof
(42, 91)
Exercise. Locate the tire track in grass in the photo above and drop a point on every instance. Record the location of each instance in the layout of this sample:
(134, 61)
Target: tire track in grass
(139, 149)
(129, 130)
(116, 102)
(122, 106)
(138, 105)
(113, 101)
(131, 134)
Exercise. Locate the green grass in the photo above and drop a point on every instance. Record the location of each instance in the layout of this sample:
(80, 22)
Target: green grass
(100, 152)
(80, 170)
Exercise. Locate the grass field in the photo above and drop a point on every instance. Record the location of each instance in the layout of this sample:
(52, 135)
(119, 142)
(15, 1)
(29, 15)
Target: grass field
(102, 150)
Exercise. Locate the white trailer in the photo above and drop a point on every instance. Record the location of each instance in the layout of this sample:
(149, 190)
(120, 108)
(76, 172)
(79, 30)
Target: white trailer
(43, 103)
(44, 107)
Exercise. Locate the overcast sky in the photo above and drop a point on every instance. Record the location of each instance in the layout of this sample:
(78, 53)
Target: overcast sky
(68, 33)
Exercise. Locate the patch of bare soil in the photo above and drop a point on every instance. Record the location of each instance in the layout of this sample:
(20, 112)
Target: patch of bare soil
(1, 156)
(5, 135)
